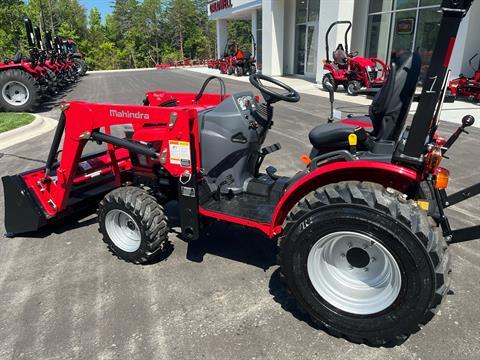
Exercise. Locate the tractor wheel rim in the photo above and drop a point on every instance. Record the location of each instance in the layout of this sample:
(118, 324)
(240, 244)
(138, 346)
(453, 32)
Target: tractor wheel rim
(123, 230)
(354, 272)
(15, 93)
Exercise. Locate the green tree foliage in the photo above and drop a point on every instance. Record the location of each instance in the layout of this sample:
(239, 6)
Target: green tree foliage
(137, 33)
(12, 13)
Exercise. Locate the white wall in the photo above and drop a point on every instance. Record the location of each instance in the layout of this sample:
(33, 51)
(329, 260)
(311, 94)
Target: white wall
(273, 29)
(330, 11)
(467, 43)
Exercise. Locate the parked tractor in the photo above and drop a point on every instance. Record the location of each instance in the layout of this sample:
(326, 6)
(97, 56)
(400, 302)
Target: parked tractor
(361, 230)
(465, 87)
(236, 61)
(349, 69)
(70, 47)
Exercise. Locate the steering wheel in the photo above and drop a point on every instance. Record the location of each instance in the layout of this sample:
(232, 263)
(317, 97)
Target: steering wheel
(271, 96)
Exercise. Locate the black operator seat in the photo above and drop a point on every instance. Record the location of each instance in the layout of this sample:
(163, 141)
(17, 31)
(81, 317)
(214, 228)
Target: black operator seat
(388, 111)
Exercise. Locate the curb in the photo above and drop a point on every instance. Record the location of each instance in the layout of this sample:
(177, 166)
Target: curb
(119, 70)
(39, 126)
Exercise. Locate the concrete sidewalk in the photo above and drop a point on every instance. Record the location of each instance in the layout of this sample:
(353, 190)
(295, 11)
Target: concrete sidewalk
(37, 127)
(451, 112)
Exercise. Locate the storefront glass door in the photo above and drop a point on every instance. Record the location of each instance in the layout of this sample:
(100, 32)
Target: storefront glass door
(396, 27)
(306, 32)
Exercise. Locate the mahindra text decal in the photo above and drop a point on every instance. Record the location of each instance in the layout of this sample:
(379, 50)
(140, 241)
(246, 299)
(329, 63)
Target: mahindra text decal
(128, 115)
(217, 5)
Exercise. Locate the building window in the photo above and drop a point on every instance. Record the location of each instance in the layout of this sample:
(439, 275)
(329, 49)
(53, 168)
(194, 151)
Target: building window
(306, 32)
(396, 27)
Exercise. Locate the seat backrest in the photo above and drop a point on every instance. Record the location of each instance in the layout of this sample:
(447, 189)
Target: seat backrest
(390, 107)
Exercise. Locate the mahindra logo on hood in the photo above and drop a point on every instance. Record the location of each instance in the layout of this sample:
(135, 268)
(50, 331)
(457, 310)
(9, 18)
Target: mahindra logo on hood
(129, 115)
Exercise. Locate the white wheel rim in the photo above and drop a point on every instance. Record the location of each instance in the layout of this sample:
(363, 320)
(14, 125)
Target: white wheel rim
(15, 93)
(123, 230)
(354, 272)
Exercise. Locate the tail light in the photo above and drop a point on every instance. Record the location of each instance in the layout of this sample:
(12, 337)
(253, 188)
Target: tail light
(433, 159)
(441, 178)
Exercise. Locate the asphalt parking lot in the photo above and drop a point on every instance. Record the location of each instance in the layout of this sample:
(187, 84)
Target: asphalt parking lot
(63, 295)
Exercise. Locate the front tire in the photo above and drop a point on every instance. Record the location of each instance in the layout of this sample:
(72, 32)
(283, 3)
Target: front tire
(19, 91)
(133, 224)
(238, 71)
(365, 263)
(353, 86)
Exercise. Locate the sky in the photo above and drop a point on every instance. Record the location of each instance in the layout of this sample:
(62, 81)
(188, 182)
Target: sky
(102, 5)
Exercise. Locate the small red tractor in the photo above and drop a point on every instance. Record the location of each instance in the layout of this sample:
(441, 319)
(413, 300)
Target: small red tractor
(236, 61)
(467, 88)
(352, 71)
(362, 234)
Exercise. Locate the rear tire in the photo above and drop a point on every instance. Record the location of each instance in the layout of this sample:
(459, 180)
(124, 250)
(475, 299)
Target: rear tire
(14, 83)
(230, 70)
(133, 224)
(373, 306)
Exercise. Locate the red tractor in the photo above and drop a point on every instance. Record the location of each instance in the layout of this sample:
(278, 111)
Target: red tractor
(468, 88)
(350, 70)
(361, 230)
(237, 61)
(71, 48)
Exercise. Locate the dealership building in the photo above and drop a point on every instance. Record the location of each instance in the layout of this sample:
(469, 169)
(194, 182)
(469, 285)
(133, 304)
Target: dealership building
(290, 34)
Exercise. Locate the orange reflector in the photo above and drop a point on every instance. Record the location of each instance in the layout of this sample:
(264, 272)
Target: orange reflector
(441, 178)
(305, 159)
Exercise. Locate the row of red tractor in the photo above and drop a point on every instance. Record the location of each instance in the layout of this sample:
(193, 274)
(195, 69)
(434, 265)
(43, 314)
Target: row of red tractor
(49, 67)
(343, 68)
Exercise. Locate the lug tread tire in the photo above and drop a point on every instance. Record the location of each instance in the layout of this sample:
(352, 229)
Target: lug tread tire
(394, 204)
(151, 216)
(29, 81)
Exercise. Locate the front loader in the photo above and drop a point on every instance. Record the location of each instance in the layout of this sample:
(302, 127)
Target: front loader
(362, 234)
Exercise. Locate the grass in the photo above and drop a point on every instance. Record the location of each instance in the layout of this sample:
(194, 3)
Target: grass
(9, 121)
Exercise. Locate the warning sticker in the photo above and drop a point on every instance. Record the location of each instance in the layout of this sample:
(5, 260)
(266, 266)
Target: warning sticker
(179, 152)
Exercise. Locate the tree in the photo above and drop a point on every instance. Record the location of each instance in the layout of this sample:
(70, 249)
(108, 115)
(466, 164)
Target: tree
(137, 33)
(180, 15)
(12, 32)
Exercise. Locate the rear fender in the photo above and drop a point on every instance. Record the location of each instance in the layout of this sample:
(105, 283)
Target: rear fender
(389, 175)
(22, 66)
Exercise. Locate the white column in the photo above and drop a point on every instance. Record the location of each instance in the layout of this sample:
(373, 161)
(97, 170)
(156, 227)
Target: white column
(289, 38)
(254, 29)
(273, 28)
(331, 11)
(222, 36)
(359, 28)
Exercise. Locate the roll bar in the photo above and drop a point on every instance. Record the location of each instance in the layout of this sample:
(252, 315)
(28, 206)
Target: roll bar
(327, 48)
(470, 62)
(38, 37)
(30, 36)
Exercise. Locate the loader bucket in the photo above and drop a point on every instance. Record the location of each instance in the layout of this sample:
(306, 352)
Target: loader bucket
(22, 212)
